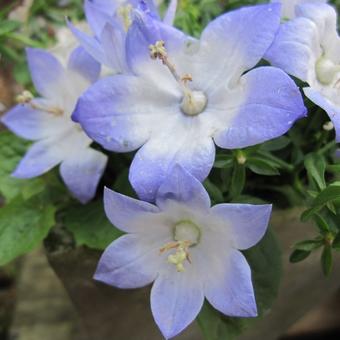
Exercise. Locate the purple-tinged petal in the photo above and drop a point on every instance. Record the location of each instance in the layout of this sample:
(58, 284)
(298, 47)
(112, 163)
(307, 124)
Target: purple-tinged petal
(181, 143)
(81, 62)
(245, 224)
(130, 262)
(332, 110)
(296, 49)
(127, 213)
(182, 187)
(90, 44)
(176, 299)
(273, 103)
(46, 71)
(236, 42)
(81, 172)
(170, 14)
(120, 112)
(30, 124)
(228, 286)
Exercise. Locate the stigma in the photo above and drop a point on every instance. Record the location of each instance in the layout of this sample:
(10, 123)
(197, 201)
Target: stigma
(193, 102)
(186, 235)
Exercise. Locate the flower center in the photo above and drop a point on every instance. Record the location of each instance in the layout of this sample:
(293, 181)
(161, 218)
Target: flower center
(326, 71)
(193, 102)
(186, 234)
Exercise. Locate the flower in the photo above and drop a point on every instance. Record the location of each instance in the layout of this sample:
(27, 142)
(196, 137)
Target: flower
(109, 21)
(189, 249)
(47, 121)
(308, 48)
(182, 95)
(288, 6)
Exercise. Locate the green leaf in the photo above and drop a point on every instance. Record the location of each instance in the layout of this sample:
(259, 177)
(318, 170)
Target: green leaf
(321, 223)
(316, 167)
(329, 194)
(261, 166)
(214, 192)
(265, 262)
(276, 144)
(12, 149)
(90, 226)
(238, 180)
(309, 245)
(326, 260)
(336, 242)
(298, 255)
(223, 161)
(7, 26)
(23, 225)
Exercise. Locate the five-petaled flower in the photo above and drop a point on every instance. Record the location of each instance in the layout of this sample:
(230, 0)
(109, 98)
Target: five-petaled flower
(47, 121)
(308, 47)
(176, 103)
(188, 248)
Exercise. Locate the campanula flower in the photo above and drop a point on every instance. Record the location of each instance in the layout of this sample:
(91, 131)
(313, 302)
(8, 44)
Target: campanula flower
(182, 95)
(110, 21)
(288, 6)
(308, 48)
(47, 121)
(188, 249)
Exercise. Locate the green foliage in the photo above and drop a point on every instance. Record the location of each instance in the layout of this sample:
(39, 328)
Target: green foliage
(23, 225)
(265, 262)
(89, 225)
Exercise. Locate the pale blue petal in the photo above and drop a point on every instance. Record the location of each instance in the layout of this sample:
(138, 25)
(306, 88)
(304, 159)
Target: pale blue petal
(130, 262)
(46, 71)
(228, 286)
(170, 14)
(81, 172)
(176, 299)
(178, 144)
(245, 224)
(125, 212)
(81, 62)
(272, 104)
(236, 41)
(30, 124)
(295, 48)
(332, 110)
(182, 187)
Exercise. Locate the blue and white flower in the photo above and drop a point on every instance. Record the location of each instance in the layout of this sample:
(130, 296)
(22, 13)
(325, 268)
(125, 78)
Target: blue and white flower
(189, 249)
(308, 48)
(47, 121)
(110, 21)
(182, 95)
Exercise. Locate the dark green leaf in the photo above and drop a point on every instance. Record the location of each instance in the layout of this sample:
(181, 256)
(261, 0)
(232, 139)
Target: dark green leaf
(213, 191)
(7, 26)
(316, 167)
(90, 226)
(321, 223)
(309, 245)
(223, 161)
(265, 262)
(276, 144)
(336, 242)
(237, 180)
(23, 225)
(262, 167)
(298, 255)
(326, 260)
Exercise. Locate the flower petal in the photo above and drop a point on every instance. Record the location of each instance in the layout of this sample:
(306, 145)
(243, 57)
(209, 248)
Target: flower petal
(228, 286)
(31, 124)
(332, 109)
(81, 62)
(235, 42)
(126, 213)
(296, 49)
(170, 14)
(244, 223)
(120, 112)
(272, 104)
(183, 143)
(46, 71)
(182, 187)
(81, 172)
(176, 299)
(130, 262)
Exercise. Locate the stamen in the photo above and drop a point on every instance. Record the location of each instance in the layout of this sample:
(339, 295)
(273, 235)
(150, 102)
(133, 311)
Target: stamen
(27, 98)
(194, 102)
(180, 255)
(125, 13)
